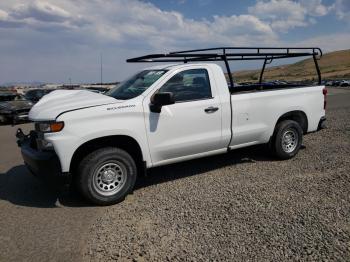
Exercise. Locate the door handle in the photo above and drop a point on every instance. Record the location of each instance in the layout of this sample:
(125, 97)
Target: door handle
(211, 109)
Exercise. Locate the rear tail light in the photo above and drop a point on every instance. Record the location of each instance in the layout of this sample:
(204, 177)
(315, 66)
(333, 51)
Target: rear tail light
(324, 91)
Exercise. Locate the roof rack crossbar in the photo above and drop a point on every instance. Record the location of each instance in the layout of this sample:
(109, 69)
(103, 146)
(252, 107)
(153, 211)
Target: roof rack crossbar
(258, 49)
(226, 54)
(208, 58)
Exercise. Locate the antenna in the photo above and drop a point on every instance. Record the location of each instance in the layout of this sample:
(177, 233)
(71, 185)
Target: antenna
(101, 68)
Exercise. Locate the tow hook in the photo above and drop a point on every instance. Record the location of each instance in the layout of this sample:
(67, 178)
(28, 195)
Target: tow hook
(20, 136)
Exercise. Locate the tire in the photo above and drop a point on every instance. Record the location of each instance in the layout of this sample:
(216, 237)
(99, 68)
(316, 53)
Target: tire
(106, 176)
(287, 139)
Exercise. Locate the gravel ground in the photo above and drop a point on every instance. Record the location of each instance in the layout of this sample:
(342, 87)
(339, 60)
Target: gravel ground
(240, 206)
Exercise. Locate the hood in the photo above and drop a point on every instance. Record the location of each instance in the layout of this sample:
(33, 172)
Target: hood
(60, 101)
(16, 105)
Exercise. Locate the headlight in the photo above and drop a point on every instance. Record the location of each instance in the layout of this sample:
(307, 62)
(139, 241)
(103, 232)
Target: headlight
(50, 127)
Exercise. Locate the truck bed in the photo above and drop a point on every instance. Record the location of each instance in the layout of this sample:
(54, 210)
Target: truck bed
(263, 87)
(255, 113)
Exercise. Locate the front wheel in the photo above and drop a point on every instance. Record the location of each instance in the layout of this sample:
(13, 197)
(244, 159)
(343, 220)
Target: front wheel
(107, 175)
(287, 139)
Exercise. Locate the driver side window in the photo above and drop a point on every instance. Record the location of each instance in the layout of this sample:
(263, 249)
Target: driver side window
(189, 85)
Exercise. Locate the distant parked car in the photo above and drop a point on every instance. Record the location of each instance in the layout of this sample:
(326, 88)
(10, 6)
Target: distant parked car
(345, 83)
(14, 108)
(35, 95)
(336, 83)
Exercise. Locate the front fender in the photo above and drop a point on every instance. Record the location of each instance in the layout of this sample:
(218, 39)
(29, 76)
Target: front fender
(84, 125)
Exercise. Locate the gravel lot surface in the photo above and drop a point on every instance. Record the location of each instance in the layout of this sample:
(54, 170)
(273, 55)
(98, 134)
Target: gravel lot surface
(37, 223)
(240, 206)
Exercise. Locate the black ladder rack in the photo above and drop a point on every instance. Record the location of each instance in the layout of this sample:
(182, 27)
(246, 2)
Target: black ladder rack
(226, 54)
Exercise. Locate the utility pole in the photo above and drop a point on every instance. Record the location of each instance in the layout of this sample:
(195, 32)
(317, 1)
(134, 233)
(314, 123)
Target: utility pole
(101, 68)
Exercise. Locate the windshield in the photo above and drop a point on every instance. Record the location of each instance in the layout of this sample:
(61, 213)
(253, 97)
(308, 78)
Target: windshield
(136, 85)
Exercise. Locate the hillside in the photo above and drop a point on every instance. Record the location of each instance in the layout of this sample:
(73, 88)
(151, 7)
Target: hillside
(334, 65)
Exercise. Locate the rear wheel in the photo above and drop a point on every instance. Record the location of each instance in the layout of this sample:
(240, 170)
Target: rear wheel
(107, 175)
(287, 139)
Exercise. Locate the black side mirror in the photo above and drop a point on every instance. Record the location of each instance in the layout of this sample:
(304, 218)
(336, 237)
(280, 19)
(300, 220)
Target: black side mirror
(161, 99)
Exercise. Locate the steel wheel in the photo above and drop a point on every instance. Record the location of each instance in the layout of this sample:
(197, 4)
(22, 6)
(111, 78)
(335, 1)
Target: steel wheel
(289, 140)
(109, 178)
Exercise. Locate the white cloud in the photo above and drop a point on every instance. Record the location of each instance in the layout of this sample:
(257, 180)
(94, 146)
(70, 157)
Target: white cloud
(39, 15)
(122, 21)
(6, 21)
(61, 37)
(287, 14)
(145, 22)
(41, 11)
(282, 14)
(327, 43)
(315, 7)
(342, 9)
(3, 15)
(241, 30)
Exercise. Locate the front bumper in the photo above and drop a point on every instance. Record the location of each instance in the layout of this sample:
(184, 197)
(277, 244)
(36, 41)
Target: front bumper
(43, 164)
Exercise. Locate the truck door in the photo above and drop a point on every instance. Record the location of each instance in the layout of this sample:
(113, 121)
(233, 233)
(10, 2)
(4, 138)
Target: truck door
(250, 115)
(190, 126)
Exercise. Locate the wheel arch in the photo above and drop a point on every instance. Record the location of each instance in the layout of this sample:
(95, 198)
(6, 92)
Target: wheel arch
(127, 143)
(297, 116)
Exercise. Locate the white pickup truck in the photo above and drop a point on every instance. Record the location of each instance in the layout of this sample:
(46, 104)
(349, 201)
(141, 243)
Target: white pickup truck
(162, 115)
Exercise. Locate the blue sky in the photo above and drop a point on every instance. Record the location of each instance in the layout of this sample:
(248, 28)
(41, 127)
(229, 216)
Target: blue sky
(54, 40)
